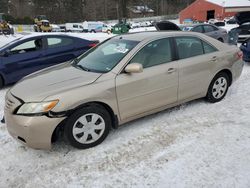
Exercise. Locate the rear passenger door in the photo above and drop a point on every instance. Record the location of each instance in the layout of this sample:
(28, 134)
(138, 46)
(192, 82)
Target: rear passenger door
(59, 49)
(196, 59)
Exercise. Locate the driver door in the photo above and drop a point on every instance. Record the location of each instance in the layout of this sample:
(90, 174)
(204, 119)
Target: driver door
(155, 87)
(24, 58)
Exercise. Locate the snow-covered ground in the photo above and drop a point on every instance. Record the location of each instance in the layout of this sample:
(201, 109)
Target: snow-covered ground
(197, 144)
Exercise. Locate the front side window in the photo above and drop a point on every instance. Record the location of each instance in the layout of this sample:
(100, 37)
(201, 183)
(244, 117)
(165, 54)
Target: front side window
(189, 47)
(154, 53)
(105, 56)
(29, 46)
(55, 42)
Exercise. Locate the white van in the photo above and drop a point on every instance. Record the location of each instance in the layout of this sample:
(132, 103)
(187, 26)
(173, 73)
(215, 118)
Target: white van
(73, 27)
(93, 27)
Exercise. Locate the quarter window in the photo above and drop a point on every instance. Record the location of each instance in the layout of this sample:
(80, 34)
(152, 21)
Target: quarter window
(208, 48)
(154, 53)
(59, 42)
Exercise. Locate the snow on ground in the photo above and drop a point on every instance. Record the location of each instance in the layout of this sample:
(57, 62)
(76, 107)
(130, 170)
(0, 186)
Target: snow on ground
(197, 144)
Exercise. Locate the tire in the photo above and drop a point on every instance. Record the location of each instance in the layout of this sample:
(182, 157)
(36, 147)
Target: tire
(220, 39)
(218, 88)
(79, 129)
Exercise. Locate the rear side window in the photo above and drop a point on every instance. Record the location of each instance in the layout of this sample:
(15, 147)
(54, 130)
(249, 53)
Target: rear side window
(155, 53)
(209, 28)
(198, 29)
(189, 47)
(59, 42)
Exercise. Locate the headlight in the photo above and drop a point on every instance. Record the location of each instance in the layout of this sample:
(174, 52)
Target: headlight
(37, 107)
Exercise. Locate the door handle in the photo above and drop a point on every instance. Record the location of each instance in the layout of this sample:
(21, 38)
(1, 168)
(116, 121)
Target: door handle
(214, 59)
(171, 70)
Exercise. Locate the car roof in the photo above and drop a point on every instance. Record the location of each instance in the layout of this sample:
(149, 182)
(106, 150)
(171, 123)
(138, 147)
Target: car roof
(45, 34)
(141, 36)
(198, 24)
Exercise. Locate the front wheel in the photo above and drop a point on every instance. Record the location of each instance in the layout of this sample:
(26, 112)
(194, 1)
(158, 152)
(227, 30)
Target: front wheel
(218, 88)
(87, 127)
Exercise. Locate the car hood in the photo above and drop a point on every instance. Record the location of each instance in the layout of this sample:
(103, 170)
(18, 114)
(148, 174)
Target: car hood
(242, 17)
(42, 84)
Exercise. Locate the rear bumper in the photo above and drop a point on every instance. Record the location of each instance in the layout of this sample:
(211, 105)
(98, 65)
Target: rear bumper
(237, 69)
(35, 132)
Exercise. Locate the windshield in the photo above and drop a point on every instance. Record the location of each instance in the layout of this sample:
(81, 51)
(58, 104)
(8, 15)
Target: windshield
(10, 43)
(106, 56)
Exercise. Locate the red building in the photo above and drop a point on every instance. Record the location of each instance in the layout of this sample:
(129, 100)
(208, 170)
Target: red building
(203, 10)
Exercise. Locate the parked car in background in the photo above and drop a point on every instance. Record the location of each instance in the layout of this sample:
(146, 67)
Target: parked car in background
(35, 52)
(245, 48)
(243, 19)
(220, 24)
(55, 28)
(122, 79)
(62, 28)
(74, 27)
(209, 30)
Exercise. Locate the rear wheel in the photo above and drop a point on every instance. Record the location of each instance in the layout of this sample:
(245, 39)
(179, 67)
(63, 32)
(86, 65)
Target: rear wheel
(218, 88)
(88, 127)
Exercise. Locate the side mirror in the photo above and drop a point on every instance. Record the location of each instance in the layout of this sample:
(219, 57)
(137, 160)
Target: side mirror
(134, 68)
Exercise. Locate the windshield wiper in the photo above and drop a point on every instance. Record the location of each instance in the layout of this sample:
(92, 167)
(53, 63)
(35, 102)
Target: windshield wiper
(83, 68)
(75, 64)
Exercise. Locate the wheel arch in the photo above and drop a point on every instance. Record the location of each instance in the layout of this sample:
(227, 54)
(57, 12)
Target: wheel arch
(60, 126)
(228, 72)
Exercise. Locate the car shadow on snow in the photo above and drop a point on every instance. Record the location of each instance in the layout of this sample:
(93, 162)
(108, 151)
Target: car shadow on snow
(140, 124)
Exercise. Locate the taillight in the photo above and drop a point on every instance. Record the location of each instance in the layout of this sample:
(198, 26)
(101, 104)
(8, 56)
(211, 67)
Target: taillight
(239, 54)
(92, 45)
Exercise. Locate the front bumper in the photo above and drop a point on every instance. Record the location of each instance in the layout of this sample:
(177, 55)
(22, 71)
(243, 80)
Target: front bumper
(35, 132)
